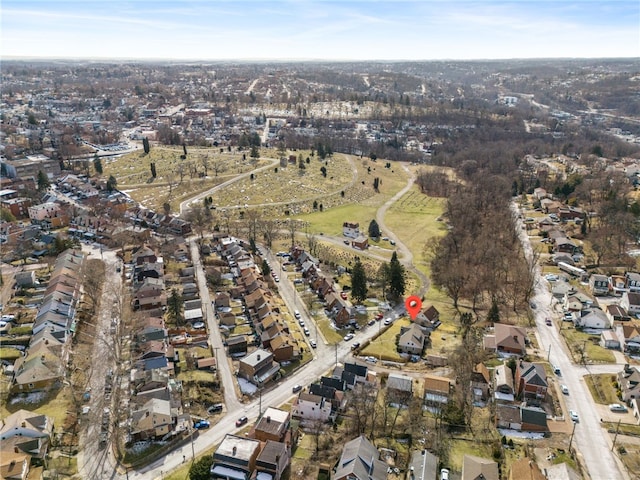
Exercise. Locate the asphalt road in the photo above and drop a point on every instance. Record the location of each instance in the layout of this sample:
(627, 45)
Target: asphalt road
(590, 439)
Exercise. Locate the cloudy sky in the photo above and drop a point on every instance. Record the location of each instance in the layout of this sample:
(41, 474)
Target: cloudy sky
(319, 30)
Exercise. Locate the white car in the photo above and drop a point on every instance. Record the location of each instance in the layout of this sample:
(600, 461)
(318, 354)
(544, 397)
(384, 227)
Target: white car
(564, 389)
(574, 416)
(617, 407)
(348, 337)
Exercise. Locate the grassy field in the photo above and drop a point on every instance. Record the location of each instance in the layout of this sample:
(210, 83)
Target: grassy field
(602, 388)
(594, 353)
(384, 347)
(414, 218)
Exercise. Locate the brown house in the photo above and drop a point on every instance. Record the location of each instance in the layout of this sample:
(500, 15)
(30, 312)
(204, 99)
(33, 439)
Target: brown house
(531, 380)
(507, 339)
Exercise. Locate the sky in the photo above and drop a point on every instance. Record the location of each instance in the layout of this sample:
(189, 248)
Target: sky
(319, 30)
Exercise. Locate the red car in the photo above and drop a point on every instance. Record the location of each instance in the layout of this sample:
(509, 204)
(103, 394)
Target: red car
(379, 316)
(343, 295)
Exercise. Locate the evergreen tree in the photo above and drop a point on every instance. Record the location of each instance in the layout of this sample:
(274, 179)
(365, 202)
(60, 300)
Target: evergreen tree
(43, 181)
(266, 269)
(145, 145)
(397, 277)
(374, 229)
(112, 183)
(201, 470)
(174, 306)
(255, 152)
(97, 164)
(153, 169)
(358, 282)
(493, 315)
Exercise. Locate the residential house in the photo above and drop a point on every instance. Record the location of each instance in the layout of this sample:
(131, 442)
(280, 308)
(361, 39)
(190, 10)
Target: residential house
(411, 340)
(476, 468)
(351, 230)
(258, 367)
(235, 458)
(237, 345)
(360, 460)
(480, 384)
(423, 465)
(525, 469)
(273, 460)
(399, 389)
(26, 432)
(533, 419)
(609, 339)
(39, 369)
(617, 314)
(631, 302)
(629, 336)
(360, 243)
(507, 340)
(17, 466)
(504, 390)
(617, 284)
(629, 383)
(273, 425)
(599, 284)
(531, 381)
(592, 318)
(632, 281)
(25, 279)
(153, 420)
(428, 318)
(150, 295)
(309, 408)
(508, 416)
(143, 255)
(437, 391)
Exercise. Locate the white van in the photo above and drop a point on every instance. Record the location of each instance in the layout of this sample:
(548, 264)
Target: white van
(444, 474)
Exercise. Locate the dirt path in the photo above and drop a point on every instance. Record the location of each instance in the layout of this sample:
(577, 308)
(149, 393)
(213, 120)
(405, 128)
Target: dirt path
(406, 256)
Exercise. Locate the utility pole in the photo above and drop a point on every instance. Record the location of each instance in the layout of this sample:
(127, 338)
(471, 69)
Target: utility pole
(571, 439)
(336, 345)
(549, 353)
(260, 403)
(615, 437)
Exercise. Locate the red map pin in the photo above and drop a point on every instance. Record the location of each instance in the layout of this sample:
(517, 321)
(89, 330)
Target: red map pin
(413, 304)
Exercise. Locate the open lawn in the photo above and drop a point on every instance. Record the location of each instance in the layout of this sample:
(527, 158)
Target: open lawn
(329, 333)
(9, 353)
(55, 406)
(602, 388)
(594, 353)
(384, 346)
(414, 219)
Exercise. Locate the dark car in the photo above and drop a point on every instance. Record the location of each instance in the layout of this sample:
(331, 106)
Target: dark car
(241, 421)
(297, 388)
(215, 408)
(355, 346)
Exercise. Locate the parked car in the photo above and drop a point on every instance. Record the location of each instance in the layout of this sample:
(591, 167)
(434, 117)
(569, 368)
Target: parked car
(379, 316)
(564, 389)
(343, 295)
(313, 344)
(371, 360)
(306, 332)
(371, 322)
(388, 321)
(348, 337)
(202, 424)
(215, 408)
(241, 421)
(574, 416)
(355, 346)
(548, 321)
(297, 388)
(296, 314)
(618, 407)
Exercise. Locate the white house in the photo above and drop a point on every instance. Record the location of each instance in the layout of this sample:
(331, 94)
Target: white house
(311, 408)
(351, 230)
(631, 302)
(593, 318)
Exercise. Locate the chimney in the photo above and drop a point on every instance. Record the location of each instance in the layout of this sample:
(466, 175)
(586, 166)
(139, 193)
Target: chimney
(269, 419)
(16, 450)
(258, 357)
(277, 458)
(235, 450)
